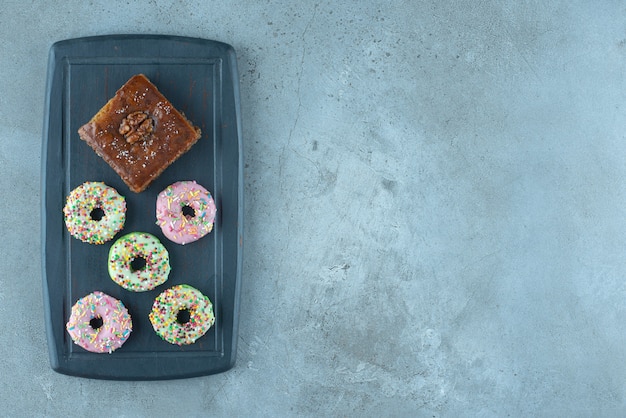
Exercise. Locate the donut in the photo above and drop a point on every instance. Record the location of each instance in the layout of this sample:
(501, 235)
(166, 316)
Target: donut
(94, 212)
(99, 323)
(185, 212)
(138, 262)
(181, 314)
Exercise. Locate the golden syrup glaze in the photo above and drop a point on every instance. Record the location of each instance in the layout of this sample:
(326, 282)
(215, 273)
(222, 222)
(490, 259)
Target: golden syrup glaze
(139, 163)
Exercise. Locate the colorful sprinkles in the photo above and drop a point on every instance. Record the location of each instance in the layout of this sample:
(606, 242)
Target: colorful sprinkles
(116, 324)
(139, 246)
(185, 212)
(94, 212)
(165, 315)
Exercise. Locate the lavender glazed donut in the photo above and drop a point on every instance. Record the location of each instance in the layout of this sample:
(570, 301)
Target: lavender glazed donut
(185, 212)
(99, 323)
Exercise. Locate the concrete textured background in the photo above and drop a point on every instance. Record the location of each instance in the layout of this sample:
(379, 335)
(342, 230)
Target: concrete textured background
(435, 212)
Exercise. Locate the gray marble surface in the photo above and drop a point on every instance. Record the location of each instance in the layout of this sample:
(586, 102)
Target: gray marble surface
(435, 209)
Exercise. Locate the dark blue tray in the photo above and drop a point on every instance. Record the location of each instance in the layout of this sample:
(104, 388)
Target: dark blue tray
(200, 78)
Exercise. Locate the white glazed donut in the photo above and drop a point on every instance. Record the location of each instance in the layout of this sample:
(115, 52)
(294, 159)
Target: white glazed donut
(94, 212)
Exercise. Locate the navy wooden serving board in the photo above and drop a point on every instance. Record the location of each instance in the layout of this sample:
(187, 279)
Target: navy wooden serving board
(200, 78)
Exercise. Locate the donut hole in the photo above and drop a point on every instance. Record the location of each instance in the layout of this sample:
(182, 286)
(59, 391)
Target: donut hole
(188, 211)
(183, 316)
(96, 214)
(96, 322)
(137, 263)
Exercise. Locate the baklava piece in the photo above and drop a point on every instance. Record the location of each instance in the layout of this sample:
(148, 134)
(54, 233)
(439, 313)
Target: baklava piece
(139, 133)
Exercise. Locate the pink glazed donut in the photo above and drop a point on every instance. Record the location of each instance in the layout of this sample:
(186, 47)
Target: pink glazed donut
(99, 323)
(185, 212)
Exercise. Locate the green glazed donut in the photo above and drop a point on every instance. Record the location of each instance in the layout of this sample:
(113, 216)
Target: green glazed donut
(182, 314)
(139, 262)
